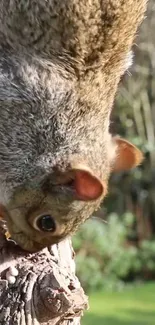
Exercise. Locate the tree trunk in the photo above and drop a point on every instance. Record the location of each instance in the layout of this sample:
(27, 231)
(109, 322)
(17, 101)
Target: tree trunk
(46, 290)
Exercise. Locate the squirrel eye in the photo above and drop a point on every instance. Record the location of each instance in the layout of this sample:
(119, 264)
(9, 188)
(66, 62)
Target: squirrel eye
(45, 223)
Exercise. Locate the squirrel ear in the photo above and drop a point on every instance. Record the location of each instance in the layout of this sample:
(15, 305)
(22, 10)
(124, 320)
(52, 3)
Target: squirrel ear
(127, 155)
(87, 186)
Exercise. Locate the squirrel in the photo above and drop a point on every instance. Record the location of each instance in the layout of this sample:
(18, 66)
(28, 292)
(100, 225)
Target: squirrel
(60, 66)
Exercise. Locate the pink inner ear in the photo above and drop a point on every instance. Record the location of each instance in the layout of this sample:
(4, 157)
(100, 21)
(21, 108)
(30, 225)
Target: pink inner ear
(87, 186)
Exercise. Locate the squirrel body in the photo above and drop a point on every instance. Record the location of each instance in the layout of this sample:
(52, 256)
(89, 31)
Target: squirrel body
(60, 65)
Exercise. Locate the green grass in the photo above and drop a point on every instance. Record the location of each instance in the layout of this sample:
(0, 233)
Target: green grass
(134, 306)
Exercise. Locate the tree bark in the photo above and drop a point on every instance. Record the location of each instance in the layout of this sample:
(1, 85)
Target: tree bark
(46, 290)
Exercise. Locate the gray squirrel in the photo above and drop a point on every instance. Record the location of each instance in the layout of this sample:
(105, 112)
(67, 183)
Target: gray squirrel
(60, 65)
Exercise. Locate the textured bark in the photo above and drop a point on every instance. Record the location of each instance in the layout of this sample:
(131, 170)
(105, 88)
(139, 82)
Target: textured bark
(46, 290)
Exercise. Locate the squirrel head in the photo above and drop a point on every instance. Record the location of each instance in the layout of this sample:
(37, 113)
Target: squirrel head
(44, 213)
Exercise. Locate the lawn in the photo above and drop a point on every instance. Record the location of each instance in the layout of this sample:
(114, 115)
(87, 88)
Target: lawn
(134, 306)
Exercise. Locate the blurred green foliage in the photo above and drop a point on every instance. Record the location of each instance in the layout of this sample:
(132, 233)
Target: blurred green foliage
(106, 257)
